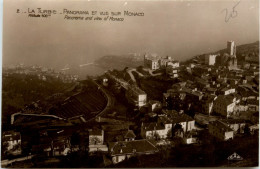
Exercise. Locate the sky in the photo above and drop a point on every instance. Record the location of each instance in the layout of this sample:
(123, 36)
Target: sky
(180, 29)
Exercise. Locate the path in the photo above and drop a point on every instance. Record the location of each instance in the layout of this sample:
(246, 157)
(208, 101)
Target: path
(129, 71)
(151, 72)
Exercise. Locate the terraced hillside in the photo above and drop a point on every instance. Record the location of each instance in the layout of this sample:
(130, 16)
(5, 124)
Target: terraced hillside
(88, 103)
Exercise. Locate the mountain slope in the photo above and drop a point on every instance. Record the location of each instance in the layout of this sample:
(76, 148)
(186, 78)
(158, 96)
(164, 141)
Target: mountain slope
(250, 49)
(134, 60)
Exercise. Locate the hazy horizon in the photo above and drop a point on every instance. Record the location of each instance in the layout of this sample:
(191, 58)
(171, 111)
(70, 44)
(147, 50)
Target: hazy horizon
(181, 29)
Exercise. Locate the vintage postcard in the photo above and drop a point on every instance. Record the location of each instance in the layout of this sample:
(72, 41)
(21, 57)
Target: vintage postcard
(130, 84)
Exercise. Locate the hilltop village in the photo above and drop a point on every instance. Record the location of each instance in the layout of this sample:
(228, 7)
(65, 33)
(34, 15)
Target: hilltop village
(203, 112)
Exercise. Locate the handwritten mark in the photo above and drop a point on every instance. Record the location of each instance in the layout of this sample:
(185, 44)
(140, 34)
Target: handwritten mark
(231, 14)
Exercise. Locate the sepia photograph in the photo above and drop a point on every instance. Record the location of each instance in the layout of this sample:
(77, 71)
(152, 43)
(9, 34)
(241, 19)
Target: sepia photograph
(130, 84)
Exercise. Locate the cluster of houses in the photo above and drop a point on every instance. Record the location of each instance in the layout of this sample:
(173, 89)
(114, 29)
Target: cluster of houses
(169, 124)
(217, 86)
(221, 90)
(42, 73)
(53, 143)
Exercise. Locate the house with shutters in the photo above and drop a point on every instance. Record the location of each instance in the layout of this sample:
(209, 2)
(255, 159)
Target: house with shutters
(122, 150)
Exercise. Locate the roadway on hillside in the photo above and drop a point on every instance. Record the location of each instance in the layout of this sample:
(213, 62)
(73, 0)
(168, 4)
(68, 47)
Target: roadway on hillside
(123, 83)
(151, 72)
(129, 71)
(110, 101)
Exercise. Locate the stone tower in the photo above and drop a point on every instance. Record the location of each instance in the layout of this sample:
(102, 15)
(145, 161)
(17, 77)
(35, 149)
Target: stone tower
(231, 48)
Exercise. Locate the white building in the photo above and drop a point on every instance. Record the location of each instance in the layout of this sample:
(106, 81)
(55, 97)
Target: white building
(174, 64)
(156, 62)
(151, 62)
(227, 91)
(210, 59)
(153, 105)
(163, 62)
(171, 71)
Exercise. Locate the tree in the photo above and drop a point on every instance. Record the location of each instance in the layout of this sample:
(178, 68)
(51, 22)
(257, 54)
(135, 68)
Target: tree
(177, 130)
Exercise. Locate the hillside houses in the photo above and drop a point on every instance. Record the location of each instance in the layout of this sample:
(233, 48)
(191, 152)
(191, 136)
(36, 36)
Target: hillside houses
(197, 104)
(165, 125)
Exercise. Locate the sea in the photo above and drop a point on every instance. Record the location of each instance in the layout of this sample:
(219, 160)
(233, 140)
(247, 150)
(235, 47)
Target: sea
(84, 71)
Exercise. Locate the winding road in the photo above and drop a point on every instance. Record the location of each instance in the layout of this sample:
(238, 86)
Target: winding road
(110, 101)
(129, 71)
(151, 72)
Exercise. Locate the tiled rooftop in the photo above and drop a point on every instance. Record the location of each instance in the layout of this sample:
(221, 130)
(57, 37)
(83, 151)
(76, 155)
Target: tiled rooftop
(130, 147)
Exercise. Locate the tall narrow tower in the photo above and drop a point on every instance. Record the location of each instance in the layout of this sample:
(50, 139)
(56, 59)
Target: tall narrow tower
(231, 48)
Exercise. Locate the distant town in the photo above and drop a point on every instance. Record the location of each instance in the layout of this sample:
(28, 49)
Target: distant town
(203, 112)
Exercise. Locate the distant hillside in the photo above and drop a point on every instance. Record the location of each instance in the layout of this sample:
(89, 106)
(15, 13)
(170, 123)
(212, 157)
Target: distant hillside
(120, 62)
(251, 49)
(245, 49)
(135, 60)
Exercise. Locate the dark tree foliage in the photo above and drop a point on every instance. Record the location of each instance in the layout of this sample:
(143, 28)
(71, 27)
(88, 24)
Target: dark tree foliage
(20, 90)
